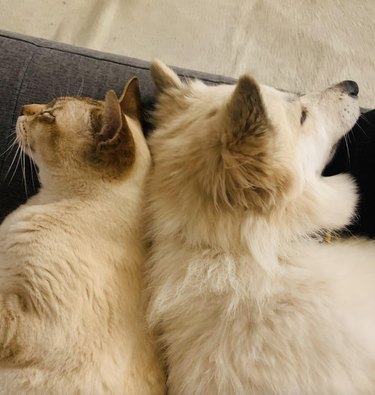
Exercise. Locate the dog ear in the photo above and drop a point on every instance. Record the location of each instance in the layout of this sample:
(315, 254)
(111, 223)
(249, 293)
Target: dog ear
(246, 111)
(252, 176)
(164, 77)
(130, 99)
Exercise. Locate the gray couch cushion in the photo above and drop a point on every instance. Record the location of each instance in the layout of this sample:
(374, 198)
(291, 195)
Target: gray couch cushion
(35, 71)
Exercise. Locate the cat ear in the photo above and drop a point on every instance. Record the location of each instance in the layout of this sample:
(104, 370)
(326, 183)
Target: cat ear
(246, 111)
(111, 119)
(130, 99)
(164, 77)
(115, 143)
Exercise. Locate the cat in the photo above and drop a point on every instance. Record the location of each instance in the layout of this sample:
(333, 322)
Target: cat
(244, 297)
(71, 258)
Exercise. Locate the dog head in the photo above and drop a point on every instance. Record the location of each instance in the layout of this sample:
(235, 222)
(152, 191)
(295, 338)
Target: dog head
(248, 146)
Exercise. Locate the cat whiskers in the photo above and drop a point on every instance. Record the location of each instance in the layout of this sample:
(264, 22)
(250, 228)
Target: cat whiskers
(32, 164)
(7, 151)
(15, 161)
(67, 88)
(23, 165)
(80, 90)
(21, 160)
(18, 158)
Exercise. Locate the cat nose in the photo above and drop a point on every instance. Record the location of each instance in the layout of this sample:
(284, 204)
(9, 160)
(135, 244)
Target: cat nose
(349, 87)
(31, 109)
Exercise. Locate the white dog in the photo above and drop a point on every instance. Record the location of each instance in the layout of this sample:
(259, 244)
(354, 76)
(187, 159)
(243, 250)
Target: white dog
(243, 296)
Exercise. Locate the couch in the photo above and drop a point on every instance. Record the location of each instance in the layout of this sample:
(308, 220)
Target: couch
(34, 70)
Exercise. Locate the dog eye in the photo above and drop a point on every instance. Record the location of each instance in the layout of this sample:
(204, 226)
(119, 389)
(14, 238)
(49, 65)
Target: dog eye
(303, 116)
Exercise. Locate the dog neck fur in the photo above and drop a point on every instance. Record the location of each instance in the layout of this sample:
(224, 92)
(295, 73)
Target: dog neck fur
(236, 186)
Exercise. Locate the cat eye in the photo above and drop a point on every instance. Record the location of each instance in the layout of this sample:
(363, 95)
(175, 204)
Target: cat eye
(47, 116)
(303, 116)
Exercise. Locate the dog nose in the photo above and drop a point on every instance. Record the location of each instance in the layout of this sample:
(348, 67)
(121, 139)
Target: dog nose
(349, 87)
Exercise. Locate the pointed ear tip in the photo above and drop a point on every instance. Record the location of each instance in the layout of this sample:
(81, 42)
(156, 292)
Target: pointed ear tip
(132, 87)
(133, 81)
(156, 62)
(156, 67)
(111, 94)
(159, 68)
(247, 84)
(164, 77)
(246, 80)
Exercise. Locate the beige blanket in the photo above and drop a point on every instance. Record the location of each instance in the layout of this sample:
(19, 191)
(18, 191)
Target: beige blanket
(292, 44)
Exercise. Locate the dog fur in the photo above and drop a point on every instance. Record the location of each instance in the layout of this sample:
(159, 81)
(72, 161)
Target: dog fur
(243, 296)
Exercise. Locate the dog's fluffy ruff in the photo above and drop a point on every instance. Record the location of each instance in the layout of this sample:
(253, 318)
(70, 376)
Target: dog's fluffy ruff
(244, 300)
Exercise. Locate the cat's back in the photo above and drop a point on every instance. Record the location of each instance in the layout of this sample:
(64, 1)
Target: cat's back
(91, 240)
(81, 261)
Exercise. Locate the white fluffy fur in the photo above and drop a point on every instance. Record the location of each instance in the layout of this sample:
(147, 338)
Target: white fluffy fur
(248, 303)
(71, 315)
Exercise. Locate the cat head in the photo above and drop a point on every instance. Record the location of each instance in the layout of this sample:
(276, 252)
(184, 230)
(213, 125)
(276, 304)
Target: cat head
(83, 137)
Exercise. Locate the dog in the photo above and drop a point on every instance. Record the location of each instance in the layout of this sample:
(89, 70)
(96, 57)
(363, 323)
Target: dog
(244, 296)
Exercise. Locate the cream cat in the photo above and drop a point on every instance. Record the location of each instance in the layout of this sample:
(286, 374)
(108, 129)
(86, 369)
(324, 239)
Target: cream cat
(71, 315)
